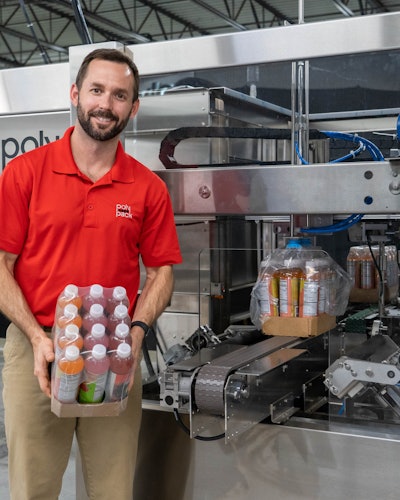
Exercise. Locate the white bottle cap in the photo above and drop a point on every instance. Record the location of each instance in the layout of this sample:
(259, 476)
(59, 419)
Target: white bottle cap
(99, 351)
(71, 332)
(72, 352)
(98, 330)
(96, 291)
(96, 310)
(120, 311)
(71, 329)
(119, 293)
(71, 291)
(122, 330)
(124, 350)
(70, 311)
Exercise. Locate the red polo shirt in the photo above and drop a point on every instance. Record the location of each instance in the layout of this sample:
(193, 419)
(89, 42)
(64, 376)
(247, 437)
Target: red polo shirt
(67, 229)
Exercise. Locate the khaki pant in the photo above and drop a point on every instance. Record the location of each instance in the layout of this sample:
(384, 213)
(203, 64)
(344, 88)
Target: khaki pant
(39, 442)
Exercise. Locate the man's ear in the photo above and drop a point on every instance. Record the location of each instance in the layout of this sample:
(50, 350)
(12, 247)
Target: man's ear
(135, 108)
(74, 94)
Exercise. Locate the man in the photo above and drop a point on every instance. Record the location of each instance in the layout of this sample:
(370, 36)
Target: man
(79, 210)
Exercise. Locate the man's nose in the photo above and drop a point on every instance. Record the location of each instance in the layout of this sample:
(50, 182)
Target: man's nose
(105, 101)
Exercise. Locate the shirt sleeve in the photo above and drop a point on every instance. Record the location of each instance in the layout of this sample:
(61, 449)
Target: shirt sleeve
(15, 193)
(158, 244)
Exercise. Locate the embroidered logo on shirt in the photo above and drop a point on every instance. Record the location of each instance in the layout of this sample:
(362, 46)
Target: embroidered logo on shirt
(123, 211)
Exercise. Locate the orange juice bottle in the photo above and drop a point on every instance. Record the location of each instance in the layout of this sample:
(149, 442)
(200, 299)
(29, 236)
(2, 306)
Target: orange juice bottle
(309, 290)
(367, 270)
(70, 295)
(68, 375)
(354, 266)
(268, 293)
(70, 336)
(289, 287)
(70, 315)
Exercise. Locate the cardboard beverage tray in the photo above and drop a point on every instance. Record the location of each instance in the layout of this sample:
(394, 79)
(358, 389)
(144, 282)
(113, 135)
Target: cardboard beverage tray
(361, 295)
(299, 327)
(87, 410)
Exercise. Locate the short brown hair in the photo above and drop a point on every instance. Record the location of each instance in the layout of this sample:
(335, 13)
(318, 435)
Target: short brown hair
(112, 55)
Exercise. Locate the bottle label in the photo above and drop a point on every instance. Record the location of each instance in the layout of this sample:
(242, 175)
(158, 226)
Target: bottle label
(117, 386)
(66, 386)
(289, 296)
(309, 295)
(268, 296)
(92, 389)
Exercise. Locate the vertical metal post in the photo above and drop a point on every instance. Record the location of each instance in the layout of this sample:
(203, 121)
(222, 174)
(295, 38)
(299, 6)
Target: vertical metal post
(300, 102)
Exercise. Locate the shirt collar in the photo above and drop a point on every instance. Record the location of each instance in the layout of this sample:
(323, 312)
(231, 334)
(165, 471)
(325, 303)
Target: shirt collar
(120, 172)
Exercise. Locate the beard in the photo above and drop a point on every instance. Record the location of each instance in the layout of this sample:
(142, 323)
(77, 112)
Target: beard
(96, 133)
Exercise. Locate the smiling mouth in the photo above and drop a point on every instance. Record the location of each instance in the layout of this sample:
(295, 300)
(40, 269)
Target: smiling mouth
(104, 118)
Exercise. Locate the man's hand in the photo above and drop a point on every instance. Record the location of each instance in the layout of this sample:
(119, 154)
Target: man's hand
(43, 353)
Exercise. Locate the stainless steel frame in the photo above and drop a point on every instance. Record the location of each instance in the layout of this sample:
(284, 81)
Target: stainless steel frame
(368, 187)
(288, 43)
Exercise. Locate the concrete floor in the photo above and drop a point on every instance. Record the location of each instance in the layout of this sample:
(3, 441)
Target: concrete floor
(69, 484)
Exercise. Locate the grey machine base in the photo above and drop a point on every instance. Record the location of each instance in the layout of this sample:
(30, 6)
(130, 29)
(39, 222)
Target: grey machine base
(266, 463)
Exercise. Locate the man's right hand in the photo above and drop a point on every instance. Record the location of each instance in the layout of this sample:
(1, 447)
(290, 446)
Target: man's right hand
(43, 352)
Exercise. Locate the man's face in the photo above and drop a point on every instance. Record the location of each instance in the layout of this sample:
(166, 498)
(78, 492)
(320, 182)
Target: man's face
(104, 103)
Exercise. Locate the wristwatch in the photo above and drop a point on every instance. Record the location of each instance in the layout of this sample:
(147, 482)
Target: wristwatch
(142, 325)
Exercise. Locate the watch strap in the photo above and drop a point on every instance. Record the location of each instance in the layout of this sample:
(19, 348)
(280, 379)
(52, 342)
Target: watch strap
(145, 327)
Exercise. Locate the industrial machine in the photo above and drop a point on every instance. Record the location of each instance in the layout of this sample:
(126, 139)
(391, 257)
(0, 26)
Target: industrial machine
(262, 137)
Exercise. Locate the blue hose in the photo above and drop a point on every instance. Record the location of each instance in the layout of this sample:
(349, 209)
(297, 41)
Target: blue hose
(363, 144)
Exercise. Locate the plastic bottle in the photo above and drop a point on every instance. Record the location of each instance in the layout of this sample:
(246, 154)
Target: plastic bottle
(118, 296)
(121, 362)
(120, 315)
(69, 336)
(70, 315)
(289, 286)
(323, 267)
(68, 375)
(97, 335)
(95, 296)
(268, 293)
(120, 335)
(70, 295)
(95, 315)
(95, 374)
(367, 281)
(354, 266)
(309, 291)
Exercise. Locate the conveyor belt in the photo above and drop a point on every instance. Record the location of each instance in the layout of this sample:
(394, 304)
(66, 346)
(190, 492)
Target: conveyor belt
(211, 378)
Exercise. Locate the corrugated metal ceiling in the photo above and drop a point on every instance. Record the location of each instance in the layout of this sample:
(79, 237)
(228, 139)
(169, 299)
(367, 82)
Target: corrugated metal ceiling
(36, 32)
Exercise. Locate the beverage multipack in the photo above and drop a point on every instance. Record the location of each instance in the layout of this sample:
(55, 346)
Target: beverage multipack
(374, 273)
(299, 292)
(93, 355)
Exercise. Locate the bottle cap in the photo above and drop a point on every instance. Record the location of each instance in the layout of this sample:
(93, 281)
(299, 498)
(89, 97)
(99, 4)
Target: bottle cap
(124, 350)
(122, 330)
(71, 291)
(99, 351)
(96, 291)
(71, 332)
(96, 310)
(70, 311)
(71, 329)
(98, 330)
(72, 352)
(120, 311)
(119, 293)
